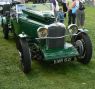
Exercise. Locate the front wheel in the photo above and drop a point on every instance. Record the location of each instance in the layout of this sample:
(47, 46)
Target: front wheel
(25, 55)
(84, 47)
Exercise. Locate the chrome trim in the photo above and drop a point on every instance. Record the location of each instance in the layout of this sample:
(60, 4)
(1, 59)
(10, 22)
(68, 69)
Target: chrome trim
(56, 37)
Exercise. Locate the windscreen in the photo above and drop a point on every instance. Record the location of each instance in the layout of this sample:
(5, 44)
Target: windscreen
(39, 8)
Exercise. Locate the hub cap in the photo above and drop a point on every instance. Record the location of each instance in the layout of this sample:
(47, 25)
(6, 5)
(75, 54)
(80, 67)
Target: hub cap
(80, 47)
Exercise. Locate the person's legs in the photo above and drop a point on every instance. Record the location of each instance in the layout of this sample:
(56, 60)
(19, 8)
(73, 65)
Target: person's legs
(82, 18)
(61, 21)
(73, 18)
(69, 17)
(64, 8)
(56, 14)
(78, 17)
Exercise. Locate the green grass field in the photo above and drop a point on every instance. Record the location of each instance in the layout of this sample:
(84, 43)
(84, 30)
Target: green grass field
(71, 75)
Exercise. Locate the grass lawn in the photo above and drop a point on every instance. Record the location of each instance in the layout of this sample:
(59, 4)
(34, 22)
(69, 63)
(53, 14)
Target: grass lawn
(71, 75)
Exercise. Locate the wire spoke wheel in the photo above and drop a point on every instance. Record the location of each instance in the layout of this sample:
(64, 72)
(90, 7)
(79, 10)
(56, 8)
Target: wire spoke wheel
(84, 46)
(80, 47)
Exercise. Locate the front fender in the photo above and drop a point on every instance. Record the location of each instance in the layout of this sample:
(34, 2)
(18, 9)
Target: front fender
(83, 30)
(79, 34)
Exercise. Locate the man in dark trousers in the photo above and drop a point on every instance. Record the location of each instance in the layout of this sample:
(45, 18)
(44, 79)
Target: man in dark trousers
(64, 7)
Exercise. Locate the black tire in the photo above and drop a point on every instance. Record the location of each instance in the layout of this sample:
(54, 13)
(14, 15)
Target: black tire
(84, 46)
(6, 31)
(17, 40)
(25, 55)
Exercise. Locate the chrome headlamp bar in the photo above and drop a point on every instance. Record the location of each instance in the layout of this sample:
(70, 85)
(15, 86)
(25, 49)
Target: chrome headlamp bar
(55, 37)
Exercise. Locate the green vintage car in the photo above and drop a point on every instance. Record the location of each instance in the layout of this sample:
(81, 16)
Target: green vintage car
(40, 36)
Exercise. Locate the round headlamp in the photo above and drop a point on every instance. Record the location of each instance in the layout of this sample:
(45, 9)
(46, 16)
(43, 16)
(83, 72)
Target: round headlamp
(73, 29)
(42, 32)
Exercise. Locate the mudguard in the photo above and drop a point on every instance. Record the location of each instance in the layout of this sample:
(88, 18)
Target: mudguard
(22, 35)
(83, 30)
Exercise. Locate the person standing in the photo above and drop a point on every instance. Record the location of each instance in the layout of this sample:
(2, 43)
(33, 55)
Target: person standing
(55, 6)
(60, 16)
(80, 14)
(71, 16)
(64, 7)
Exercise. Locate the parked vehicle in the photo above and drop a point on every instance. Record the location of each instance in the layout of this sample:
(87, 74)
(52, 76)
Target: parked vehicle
(39, 36)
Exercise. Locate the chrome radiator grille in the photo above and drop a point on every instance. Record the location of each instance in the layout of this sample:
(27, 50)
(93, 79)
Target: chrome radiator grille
(56, 31)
